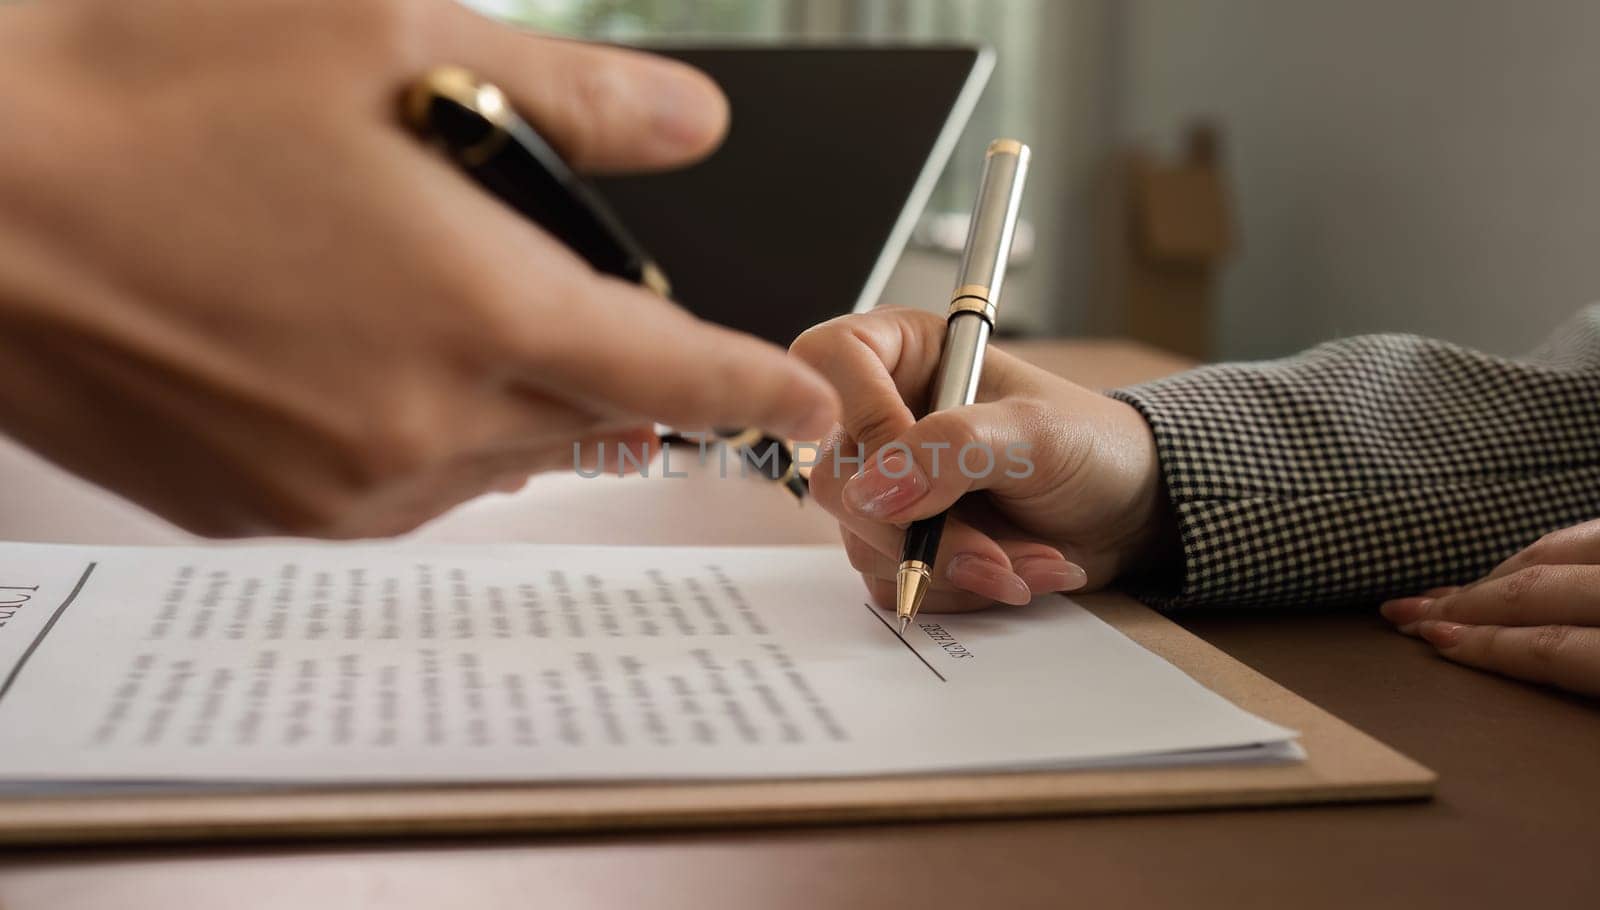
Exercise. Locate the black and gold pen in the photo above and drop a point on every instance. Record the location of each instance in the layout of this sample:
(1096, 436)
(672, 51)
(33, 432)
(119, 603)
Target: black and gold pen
(473, 122)
(973, 306)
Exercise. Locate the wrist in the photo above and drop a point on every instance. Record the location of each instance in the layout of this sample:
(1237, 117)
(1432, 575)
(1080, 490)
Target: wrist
(1153, 551)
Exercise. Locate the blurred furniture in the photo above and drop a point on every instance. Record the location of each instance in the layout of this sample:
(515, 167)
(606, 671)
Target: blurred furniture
(1515, 821)
(1165, 230)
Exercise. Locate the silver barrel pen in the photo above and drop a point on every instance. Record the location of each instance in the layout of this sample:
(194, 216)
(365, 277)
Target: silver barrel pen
(973, 306)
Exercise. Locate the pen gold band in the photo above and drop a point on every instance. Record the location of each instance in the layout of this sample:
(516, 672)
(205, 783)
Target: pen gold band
(742, 439)
(1002, 146)
(463, 88)
(749, 437)
(460, 86)
(972, 298)
(973, 305)
(919, 567)
(656, 280)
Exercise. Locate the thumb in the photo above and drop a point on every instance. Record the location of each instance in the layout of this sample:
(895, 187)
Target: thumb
(603, 108)
(989, 446)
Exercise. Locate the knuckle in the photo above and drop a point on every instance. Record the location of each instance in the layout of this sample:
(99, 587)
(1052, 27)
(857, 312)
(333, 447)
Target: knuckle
(1537, 551)
(1034, 419)
(405, 440)
(402, 450)
(594, 100)
(1514, 563)
(820, 346)
(876, 430)
(1489, 647)
(1029, 413)
(815, 344)
(1550, 643)
(1060, 450)
(958, 428)
(1522, 584)
(914, 319)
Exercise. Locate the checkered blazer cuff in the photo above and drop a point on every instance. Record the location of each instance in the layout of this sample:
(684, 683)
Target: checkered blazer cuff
(1371, 467)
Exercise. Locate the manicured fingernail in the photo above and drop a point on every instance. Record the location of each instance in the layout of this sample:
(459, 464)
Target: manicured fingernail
(1441, 634)
(1044, 574)
(885, 486)
(1405, 610)
(985, 577)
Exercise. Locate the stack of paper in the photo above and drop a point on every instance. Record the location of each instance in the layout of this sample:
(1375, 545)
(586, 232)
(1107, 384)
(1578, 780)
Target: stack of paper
(364, 663)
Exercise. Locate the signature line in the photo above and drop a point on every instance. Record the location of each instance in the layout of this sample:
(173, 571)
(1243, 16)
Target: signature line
(878, 615)
(51, 624)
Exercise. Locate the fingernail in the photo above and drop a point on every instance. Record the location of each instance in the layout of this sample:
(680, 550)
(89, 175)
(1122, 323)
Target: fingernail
(885, 487)
(983, 576)
(684, 112)
(1405, 610)
(1044, 574)
(1441, 634)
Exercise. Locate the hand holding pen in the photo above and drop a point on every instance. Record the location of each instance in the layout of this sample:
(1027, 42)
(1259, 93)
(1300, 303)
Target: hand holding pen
(473, 122)
(240, 291)
(1072, 498)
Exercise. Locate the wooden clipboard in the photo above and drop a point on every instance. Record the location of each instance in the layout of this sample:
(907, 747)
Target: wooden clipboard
(1343, 765)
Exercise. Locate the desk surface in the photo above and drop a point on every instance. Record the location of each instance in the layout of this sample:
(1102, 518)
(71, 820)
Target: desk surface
(1517, 818)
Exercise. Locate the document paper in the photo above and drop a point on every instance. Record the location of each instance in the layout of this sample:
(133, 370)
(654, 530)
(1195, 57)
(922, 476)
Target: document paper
(403, 663)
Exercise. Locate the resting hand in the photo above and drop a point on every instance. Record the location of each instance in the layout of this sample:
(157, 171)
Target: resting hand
(1090, 508)
(1535, 617)
(234, 289)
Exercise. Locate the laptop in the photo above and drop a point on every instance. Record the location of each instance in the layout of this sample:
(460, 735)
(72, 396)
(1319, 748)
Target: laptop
(830, 157)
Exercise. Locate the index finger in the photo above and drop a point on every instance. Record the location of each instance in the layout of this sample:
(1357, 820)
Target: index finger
(1557, 655)
(603, 108)
(1535, 596)
(630, 353)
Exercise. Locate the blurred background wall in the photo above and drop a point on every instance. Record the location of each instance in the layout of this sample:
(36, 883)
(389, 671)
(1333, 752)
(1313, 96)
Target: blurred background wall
(1413, 165)
(1417, 165)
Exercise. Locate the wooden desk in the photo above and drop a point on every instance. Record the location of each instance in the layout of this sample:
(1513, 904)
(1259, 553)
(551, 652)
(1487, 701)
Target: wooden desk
(1516, 822)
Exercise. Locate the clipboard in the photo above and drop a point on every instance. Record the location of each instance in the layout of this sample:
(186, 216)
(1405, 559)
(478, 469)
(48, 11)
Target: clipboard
(1342, 765)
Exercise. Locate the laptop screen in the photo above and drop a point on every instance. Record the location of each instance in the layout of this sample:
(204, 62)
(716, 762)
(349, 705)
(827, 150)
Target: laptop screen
(801, 213)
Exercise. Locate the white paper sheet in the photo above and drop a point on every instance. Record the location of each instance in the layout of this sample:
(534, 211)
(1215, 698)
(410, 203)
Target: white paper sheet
(395, 663)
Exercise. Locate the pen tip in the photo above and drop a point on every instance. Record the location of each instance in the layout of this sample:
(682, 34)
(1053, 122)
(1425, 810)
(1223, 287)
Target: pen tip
(911, 585)
(904, 621)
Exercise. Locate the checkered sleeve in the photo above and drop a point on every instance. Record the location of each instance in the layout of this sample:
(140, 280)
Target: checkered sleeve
(1371, 467)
